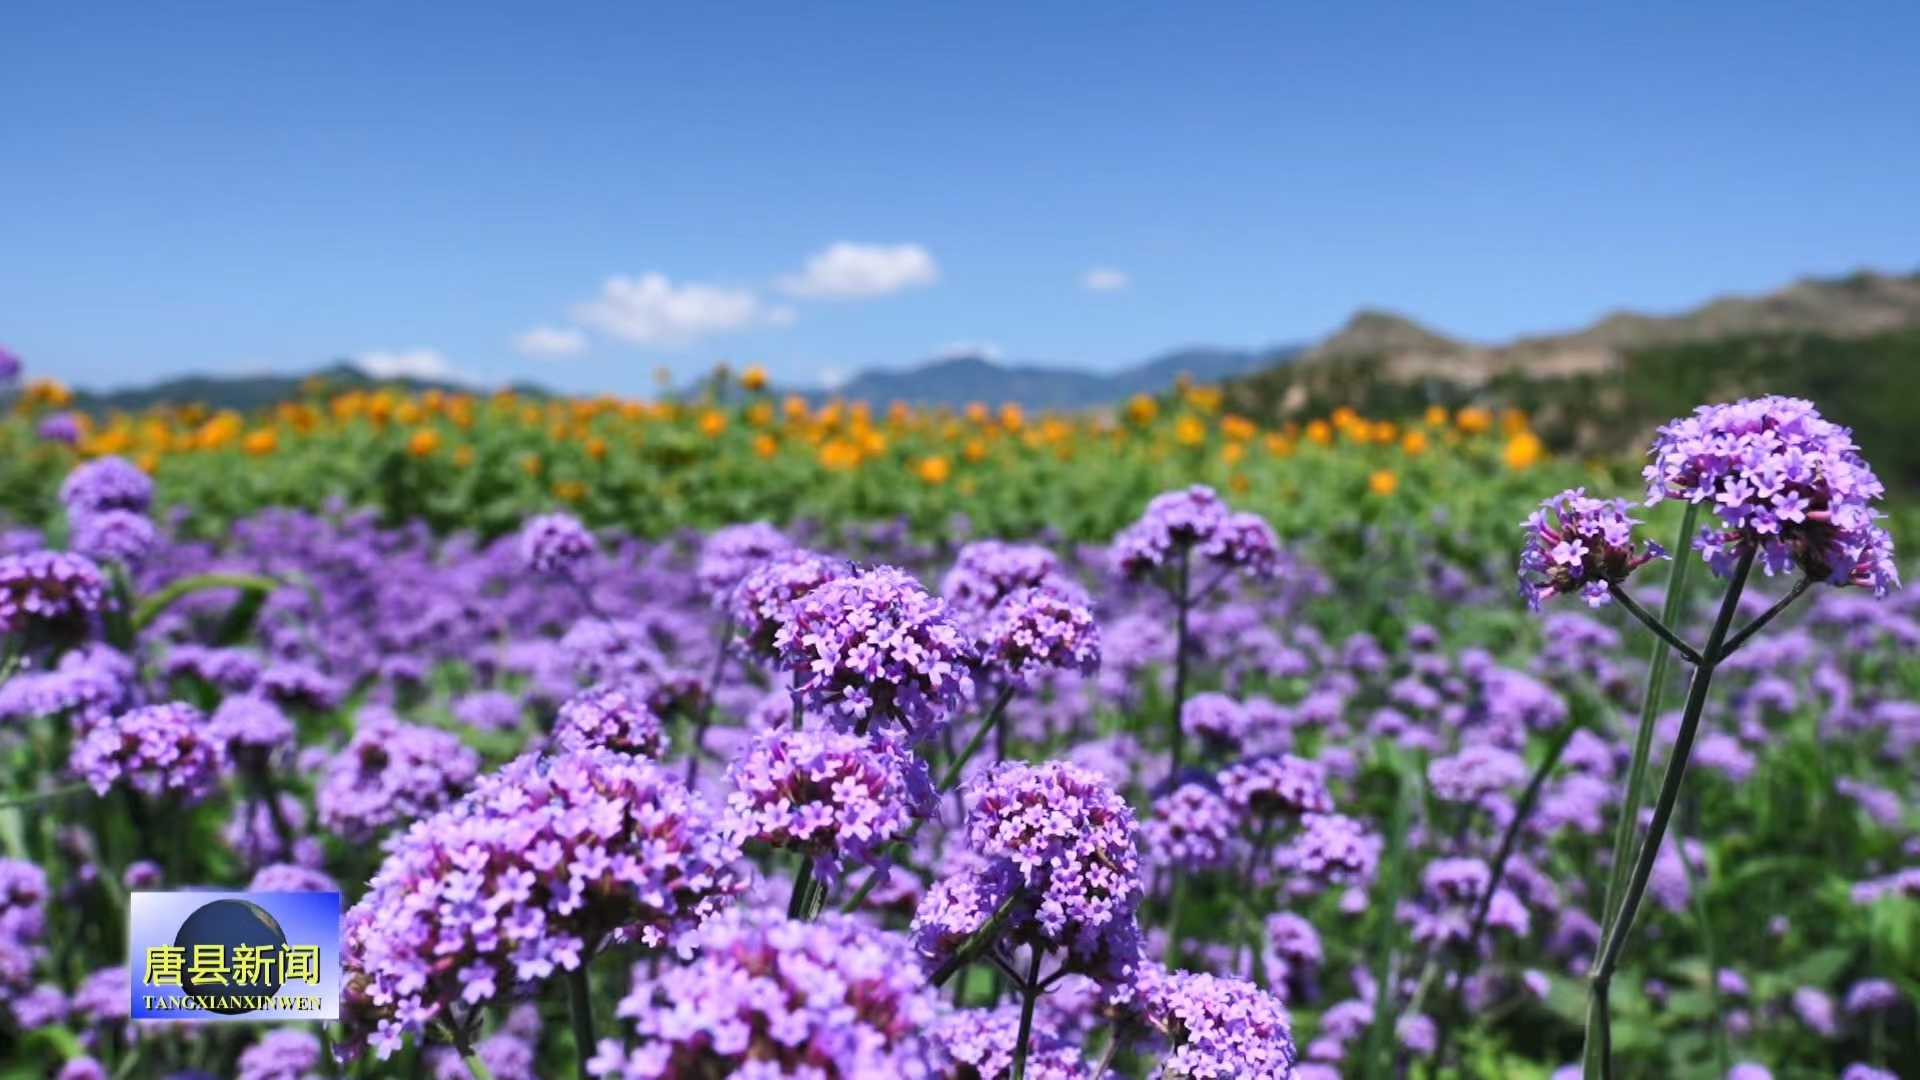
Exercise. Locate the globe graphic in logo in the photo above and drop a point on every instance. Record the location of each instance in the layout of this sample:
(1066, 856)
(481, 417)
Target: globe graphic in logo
(227, 923)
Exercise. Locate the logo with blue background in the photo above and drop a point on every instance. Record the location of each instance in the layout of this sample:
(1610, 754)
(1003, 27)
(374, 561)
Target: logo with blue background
(235, 956)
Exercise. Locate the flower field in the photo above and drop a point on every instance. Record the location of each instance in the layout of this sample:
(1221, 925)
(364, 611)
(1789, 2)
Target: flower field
(764, 738)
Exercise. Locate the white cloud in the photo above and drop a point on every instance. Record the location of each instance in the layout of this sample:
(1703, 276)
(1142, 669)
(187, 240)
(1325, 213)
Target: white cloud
(833, 376)
(410, 364)
(550, 343)
(983, 350)
(855, 271)
(1105, 279)
(651, 310)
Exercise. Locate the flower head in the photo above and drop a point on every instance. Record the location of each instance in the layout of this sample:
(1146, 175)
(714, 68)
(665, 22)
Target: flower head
(391, 772)
(555, 544)
(108, 483)
(763, 600)
(1781, 478)
(1191, 827)
(1218, 1027)
(615, 717)
(1579, 544)
(1197, 520)
(731, 553)
(121, 536)
(156, 750)
(835, 796)
(1036, 630)
(1277, 785)
(54, 591)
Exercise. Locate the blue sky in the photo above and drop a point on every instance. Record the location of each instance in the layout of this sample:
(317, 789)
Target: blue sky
(830, 186)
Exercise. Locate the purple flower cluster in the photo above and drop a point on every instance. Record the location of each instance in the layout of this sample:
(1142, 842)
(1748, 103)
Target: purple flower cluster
(1191, 827)
(833, 796)
(555, 544)
(612, 717)
(108, 483)
(54, 591)
(1575, 543)
(391, 771)
(281, 1055)
(543, 863)
(1475, 773)
(1277, 785)
(877, 646)
(763, 601)
(1217, 720)
(251, 728)
(771, 997)
(1777, 475)
(1033, 631)
(979, 1043)
(733, 552)
(156, 750)
(1196, 520)
(1217, 1027)
(120, 536)
(1334, 848)
(986, 572)
(23, 897)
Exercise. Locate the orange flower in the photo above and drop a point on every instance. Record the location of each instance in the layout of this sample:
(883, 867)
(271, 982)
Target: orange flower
(423, 442)
(1524, 451)
(1238, 428)
(260, 443)
(1473, 420)
(932, 470)
(1512, 422)
(1190, 431)
(1320, 432)
(1012, 417)
(596, 448)
(1141, 409)
(1233, 452)
(1414, 442)
(712, 423)
(570, 490)
(975, 450)
(765, 445)
(1436, 416)
(1237, 483)
(1278, 444)
(1383, 482)
(754, 378)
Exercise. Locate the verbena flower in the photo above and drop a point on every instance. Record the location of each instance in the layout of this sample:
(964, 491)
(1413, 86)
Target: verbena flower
(1778, 476)
(155, 750)
(1196, 520)
(978, 1044)
(391, 772)
(281, 1055)
(614, 717)
(251, 728)
(877, 647)
(104, 484)
(1293, 949)
(1575, 543)
(834, 796)
(489, 710)
(23, 924)
(733, 552)
(120, 536)
(1277, 785)
(1475, 773)
(1192, 827)
(59, 427)
(986, 572)
(555, 544)
(1217, 720)
(291, 877)
(1334, 848)
(1217, 1027)
(53, 591)
(543, 863)
(770, 997)
(1037, 630)
(764, 599)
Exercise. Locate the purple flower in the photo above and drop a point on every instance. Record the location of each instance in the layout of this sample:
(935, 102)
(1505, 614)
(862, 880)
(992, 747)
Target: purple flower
(281, 1055)
(23, 898)
(1747, 1070)
(1037, 630)
(507, 1056)
(391, 772)
(120, 536)
(1278, 785)
(834, 796)
(1577, 543)
(1196, 520)
(1862, 1071)
(251, 728)
(764, 599)
(42, 1006)
(978, 1044)
(543, 863)
(83, 1068)
(876, 646)
(10, 367)
(156, 750)
(770, 997)
(1217, 720)
(1780, 477)
(231, 670)
(555, 544)
(55, 591)
(1191, 828)
(1475, 773)
(61, 427)
(1217, 1027)
(1815, 1009)
(291, 877)
(731, 553)
(1293, 948)
(1333, 848)
(613, 717)
(489, 710)
(987, 572)
(108, 483)
(1871, 995)
(1069, 837)
(297, 685)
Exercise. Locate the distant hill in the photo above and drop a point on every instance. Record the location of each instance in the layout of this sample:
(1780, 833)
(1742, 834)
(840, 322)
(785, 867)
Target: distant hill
(956, 381)
(1850, 344)
(247, 393)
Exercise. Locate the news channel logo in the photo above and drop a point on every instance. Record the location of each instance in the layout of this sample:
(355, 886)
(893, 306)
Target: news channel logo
(235, 955)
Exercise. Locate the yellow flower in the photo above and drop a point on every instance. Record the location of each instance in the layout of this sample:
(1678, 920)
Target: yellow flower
(1233, 452)
(423, 442)
(149, 463)
(1278, 444)
(596, 448)
(1414, 442)
(1473, 420)
(932, 470)
(765, 445)
(260, 443)
(1238, 428)
(975, 450)
(1524, 450)
(1141, 409)
(1204, 398)
(712, 423)
(1320, 432)
(754, 378)
(977, 412)
(1190, 430)
(1012, 417)
(570, 490)
(839, 454)
(1384, 432)
(1383, 482)
(1512, 422)
(1436, 416)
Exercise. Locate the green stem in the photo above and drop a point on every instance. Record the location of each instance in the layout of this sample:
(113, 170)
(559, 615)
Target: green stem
(477, 1068)
(1614, 935)
(1766, 617)
(1175, 905)
(1029, 996)
(150, 608)
(993, 720)
(979, 939)
(1659, 628)
(580, 1009)
(809, 894)
(44, 796)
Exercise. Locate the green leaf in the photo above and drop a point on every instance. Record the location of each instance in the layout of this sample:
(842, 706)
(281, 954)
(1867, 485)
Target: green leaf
(154, 606)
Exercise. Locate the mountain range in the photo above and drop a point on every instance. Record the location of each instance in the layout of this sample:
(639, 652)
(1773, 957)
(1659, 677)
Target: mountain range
(1374, 348)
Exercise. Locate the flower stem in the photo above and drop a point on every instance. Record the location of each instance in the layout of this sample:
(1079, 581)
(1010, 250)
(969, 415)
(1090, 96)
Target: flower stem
(475, 1067)
(1177, 733)
(809, 893)
(994, 719)
(700, 725)
(1766, 617)
(1659, 628)
(1029, 996)
(580, 1008)
(1614, 936)
(979, 939)
(1522, 811)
